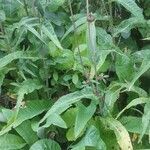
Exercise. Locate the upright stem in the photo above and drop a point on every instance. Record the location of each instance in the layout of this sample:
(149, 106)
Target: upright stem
(90, 20)
(26, 7)
(111, 23)
(87, 7)
(76, 39)
(33, 7)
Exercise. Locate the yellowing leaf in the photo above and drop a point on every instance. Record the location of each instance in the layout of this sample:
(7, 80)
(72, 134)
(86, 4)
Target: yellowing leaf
(121, 133)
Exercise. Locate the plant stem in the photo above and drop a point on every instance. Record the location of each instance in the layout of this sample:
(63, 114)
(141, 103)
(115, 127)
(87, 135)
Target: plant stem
(90, 20)
(111, 22)
(76, 39)
(26, 7)
(87, 7)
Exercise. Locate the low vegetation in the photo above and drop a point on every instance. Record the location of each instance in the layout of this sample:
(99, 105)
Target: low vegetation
(74, 74)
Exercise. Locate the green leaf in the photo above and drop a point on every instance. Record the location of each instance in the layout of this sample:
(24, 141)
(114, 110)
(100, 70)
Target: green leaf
(92, 139)
(56, 120)
(66, 101)
(78, 23)
(26, 87)
(26, 132)
(32, 109)
(28, 20)
(102, 57)
(32, 30)
(84, 114)
(124, 68)
(126, 25)
(75, 78)
(45, 144)
(141, 55)
(2, 16)
(70, 134)
(53, 50)
(145, 120)
(82, 48)
(55, 76)
(145, 66)
(49, 31)
(69, 117)
(92, 38)
(65, 61)
(121, 133)
(11, 142)
(28, 24)
(3, 72)
(13, 56)
(103, 37)
(141, 92)
(107, 134)
(132, 124)
(111, 97)
(55, 4)
(134, 102)
(131, 6)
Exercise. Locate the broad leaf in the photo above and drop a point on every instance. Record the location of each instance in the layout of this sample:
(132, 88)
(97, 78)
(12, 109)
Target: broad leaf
(124, 68)
(111, 97)
(66, 101)
(11, 142)
(65, 61)
(78, 23)
(141, 55)
(45, 144)
(103, 37)
(132, 124)
(55, 4)
(126, 25)
(144, 67)
(13, 56)
(32, 30)
(32, 109)
(56, 120)
(84, 114)
(49, 31)
(134, 102)
(102, 57)
(121, 133)
(131, 6)
(91, 139)
(141, 92)
(26, 87)
(69, 116)
(145, 120)
(26, 132)
(75, 78)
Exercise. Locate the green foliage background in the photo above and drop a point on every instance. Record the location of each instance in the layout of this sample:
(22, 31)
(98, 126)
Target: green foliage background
(74, 74)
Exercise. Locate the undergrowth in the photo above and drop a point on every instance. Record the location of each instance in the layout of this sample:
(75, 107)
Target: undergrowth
(74, 74)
